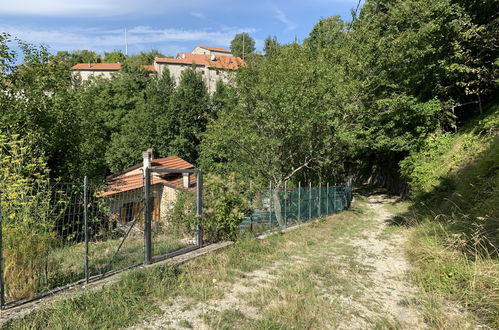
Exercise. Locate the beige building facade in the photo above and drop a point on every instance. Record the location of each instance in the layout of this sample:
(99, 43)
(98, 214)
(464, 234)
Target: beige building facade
(213, 63)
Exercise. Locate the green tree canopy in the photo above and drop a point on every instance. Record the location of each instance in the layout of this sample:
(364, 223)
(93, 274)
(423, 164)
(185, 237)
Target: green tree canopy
(242, 44)
(271, 46)
(114, 57)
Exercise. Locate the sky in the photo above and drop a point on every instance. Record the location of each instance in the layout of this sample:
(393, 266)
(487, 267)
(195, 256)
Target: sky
(170, 26)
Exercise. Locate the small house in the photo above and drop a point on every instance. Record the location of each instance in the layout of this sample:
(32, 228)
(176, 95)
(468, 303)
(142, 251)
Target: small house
(124, 190)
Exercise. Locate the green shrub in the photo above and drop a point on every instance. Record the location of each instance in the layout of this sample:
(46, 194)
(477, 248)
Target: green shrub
(28, 224)
(226, 203)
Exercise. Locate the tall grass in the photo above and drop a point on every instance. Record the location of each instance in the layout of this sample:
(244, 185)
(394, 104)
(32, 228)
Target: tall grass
(455, 182)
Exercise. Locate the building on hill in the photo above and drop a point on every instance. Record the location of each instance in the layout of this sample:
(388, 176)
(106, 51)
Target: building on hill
(125, 189)
(105, 70)
(213, 63)
(207, 50)
(212, 67)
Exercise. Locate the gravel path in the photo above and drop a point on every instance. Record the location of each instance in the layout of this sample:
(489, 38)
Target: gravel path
(386, 294)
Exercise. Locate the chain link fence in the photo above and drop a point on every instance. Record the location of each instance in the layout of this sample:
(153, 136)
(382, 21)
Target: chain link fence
(291, 206)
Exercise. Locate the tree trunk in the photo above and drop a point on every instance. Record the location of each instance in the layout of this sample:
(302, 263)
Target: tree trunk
(480, 103)
(277, 205)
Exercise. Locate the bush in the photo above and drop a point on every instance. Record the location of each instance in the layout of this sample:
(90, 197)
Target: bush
(226, 204)
(27, 225)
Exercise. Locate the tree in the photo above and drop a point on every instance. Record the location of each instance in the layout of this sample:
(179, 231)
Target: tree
(271, 46)
(77, 56)
(277, 129)
(114, 57)
(144, 127)
(188, 112)
(325, 33)
(242, 44)
(143, 58)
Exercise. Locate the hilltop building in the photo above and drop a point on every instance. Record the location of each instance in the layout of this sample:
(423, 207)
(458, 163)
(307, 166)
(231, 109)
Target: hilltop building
(213, 63)
(105, 70)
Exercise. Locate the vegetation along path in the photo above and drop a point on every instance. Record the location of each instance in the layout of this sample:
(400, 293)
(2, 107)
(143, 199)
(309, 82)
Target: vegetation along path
(346, 271)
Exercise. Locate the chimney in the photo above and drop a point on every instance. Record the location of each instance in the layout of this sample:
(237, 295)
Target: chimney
(185, 180)
(151, 153)
(146, 155)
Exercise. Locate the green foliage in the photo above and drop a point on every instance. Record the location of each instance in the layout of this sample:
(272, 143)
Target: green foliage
(27, 217)
(187, 116)
(114, 57)
(242, 45)
(181, 217)
(326, 33)
(37, 101)
(143, 127)
(445, 274)
(276, 127)
(77, 56)
(271, 46)
(454, 182)
(226, 204)
(143, 58)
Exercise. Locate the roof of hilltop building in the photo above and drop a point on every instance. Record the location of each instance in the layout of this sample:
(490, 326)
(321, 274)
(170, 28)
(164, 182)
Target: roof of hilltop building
(216, 49)
(211, 61)
(104, 67)
(133, 178)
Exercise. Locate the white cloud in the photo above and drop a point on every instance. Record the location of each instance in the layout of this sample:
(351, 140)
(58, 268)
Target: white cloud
(281, 16)
(96, 8)
(139, 37)
(198, 14)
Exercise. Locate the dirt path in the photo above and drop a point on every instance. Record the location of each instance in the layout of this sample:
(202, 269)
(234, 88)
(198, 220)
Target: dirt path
(354, 280)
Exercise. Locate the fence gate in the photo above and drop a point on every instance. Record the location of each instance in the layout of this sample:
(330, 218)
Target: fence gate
(165, 236)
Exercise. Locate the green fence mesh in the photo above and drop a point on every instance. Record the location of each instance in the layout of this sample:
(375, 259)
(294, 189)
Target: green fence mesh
(296, 206)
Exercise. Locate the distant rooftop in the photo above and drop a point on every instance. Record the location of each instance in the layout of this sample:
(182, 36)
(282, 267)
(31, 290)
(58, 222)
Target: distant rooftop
(104, 67)
(216, 49)
(211, 61)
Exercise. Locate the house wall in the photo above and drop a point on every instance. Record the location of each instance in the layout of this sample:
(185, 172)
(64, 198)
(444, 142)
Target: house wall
(168, 199)
(199, 50)
(210, 75)
(118, 205)
(86, 74)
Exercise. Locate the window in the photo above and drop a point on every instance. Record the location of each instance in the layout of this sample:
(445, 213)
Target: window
(127, 214)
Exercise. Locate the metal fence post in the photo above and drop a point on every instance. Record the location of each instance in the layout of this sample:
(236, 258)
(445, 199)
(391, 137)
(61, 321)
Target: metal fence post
(85, 219)
(310, 200)
(320, 198)
(299, 199)
(147, 217)
(285, 213)
(271, 201)
(327, 198)
(2, 285)
(334, 199)
(199, 208)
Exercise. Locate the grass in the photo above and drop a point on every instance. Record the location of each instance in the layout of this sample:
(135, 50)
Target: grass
(449, 277)
(454, 245)
(66, 264)
(138, 293)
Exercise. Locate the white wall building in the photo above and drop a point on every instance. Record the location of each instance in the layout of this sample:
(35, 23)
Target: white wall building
(213, 63)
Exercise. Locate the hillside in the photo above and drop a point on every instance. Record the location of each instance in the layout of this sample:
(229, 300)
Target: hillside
(455, 185)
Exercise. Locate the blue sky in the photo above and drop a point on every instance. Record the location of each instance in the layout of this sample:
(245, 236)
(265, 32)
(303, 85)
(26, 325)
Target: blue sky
(166, 25)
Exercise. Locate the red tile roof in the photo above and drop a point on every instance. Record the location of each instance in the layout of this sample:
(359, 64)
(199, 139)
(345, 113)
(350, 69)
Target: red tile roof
(132, 178)
(220, 62)
(105, 67)
(216, 49)
(150, 68)
(96, 67)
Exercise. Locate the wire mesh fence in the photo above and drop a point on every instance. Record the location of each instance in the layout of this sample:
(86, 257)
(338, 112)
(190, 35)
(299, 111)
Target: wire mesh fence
(54, 235)
(291, 206)
(61, 234)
